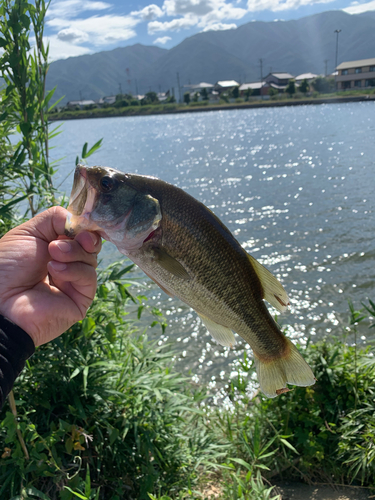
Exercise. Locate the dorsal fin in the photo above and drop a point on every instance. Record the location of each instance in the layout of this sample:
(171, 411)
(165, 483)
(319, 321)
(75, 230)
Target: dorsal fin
(220, 333)
(273, 290)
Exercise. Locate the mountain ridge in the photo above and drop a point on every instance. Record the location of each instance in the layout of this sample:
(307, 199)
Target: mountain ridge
(296, 46)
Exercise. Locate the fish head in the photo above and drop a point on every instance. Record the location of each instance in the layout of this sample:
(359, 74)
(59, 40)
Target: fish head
(104, 200)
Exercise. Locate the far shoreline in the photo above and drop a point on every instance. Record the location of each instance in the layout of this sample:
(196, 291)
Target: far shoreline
(137, 111)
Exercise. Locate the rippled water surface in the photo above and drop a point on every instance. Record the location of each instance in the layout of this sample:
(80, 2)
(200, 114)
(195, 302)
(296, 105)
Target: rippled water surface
(295, 185)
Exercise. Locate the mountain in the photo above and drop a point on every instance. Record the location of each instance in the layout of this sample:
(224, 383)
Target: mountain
(297, 46)
(97, 75)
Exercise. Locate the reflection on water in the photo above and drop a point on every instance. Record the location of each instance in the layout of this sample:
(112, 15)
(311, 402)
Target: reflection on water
(294, 185)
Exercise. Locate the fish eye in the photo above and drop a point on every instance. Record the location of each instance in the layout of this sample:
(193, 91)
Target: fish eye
(106, 184)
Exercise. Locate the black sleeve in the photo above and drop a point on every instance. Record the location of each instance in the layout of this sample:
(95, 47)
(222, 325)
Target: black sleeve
(16, 346)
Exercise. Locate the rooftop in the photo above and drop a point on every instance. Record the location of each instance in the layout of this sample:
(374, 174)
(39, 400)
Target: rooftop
(228, 83)
(282, 76)
(253, 86)
(202, 85)
(357, 64)
(306, 76)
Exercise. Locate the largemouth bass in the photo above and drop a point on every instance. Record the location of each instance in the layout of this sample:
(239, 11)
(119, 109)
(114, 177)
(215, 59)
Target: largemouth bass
(182, 246)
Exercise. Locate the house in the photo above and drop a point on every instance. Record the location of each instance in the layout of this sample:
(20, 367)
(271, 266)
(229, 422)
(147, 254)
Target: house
(305, 76)
(197, 87)
(109, 100)
(278, 81)
(257, 88)
(80, 104)
(225, 85)
(356, 74)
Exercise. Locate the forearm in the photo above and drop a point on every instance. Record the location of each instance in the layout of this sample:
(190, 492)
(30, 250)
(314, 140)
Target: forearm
(16, 346)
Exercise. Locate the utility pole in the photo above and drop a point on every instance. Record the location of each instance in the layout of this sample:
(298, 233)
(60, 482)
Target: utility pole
(325, 63)
(337, 51)
(261, 77)
(179, 88)
(337, 45)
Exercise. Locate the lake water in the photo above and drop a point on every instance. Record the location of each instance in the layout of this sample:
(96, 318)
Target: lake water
(295, 185)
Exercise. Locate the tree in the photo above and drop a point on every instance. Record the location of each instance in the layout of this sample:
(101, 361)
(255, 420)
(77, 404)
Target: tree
(248, 93)
(196, 97)
(150, 98)
(187, 98)
(272, 91)
(291, 88)
(236, 92)
(304, 87)
(204, 94)
(324, 85)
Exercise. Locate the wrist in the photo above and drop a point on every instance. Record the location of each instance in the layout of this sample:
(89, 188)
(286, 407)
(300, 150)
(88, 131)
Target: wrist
(14, 331)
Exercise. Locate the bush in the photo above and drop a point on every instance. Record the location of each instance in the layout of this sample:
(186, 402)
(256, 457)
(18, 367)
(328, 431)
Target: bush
(110, 405)
(322, 433)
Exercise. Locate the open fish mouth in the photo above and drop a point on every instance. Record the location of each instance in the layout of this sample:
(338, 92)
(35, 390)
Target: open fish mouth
(81, 203)
(78, 195)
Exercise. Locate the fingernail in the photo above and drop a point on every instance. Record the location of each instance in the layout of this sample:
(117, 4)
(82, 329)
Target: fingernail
(94, 238)
(64, 246)
(58, 266)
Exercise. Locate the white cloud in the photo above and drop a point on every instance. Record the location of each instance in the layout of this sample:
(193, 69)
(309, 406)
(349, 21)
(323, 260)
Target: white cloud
(174, 25)
(72, 35)
(100, 30)
(220, 27)
(71, 8)
(162, 40)
(182, 7)
(278, 5)
(149, 13)
(206, 14)
(62, 50)
(357, 8)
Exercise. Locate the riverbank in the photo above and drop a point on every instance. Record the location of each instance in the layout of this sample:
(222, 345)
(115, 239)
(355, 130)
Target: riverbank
(160, 109)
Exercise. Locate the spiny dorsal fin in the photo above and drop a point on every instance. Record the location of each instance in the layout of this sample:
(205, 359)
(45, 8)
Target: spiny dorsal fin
(170, 264)
(273, 290)
(220, 333)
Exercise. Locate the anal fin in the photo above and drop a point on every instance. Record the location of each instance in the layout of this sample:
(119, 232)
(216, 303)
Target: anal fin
(273, 290)
(220, 333)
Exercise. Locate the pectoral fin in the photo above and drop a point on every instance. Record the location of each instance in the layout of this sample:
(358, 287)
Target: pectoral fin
(170, 264)
(220, 333)
(273, 290)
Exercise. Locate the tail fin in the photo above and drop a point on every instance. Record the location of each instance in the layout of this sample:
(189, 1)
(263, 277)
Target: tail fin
(290, 369)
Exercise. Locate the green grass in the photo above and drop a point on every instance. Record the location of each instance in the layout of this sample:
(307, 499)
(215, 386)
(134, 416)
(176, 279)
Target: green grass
(104, 415)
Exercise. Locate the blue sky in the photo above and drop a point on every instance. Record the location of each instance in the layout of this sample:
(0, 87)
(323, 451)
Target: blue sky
(76, 27)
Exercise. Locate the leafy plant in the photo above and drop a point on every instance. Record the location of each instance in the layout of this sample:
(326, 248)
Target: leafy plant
(25, 106)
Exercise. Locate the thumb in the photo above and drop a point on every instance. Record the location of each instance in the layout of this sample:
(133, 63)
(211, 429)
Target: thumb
(47, 225)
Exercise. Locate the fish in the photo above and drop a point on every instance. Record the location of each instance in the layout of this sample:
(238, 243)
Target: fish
(189, 253)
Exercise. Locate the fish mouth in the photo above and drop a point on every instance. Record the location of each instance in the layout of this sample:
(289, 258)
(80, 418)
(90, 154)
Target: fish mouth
(81, 203)
(78, 195)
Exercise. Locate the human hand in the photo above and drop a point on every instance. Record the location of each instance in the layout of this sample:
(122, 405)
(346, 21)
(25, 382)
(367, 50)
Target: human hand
(47, 282)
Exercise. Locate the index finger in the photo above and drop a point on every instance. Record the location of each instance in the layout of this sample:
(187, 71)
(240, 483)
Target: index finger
(91, 242)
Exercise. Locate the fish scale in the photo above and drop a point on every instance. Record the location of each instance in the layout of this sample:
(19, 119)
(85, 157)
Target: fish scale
(190, 254)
